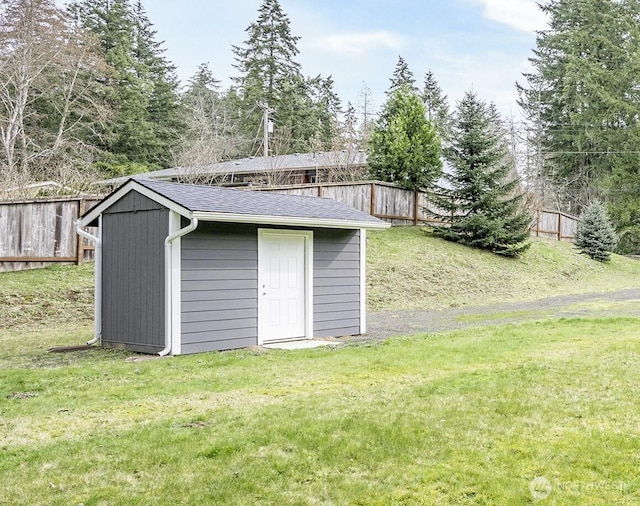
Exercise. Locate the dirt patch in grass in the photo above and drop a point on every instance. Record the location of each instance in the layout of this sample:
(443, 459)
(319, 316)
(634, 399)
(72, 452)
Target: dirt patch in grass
(385, 324)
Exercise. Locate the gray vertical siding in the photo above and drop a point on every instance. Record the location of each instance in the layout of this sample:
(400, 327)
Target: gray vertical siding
(336, 282)
(219, 287)
(133, 233)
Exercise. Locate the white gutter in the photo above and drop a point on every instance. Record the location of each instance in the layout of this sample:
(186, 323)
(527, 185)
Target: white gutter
(97, 324)
(168, 289)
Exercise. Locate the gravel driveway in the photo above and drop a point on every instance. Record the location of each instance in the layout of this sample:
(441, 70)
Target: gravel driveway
(384, 324)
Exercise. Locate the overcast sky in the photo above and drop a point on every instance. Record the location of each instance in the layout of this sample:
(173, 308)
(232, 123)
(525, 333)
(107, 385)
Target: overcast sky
(468, 44)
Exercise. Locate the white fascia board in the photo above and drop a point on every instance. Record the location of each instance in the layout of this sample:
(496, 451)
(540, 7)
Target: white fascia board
(288, 221)
(122, 191)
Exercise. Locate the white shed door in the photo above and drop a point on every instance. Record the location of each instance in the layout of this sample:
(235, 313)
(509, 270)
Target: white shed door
(282, 290)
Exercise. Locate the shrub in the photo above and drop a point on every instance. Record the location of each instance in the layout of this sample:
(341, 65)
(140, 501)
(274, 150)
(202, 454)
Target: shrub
(596, 236)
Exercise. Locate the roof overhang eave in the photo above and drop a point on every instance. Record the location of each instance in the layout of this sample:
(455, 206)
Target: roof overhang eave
(132, 184)
(292, 221)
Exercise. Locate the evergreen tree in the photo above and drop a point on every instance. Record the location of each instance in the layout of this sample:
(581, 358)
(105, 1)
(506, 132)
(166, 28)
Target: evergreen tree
(436, 105)
(164, 102)
(305, 111)
(595, 235)
(328, 109)
(270, 75)
(582, 96)
(267, 59)
(402, 78)
(295, 117)
(211, 125)
(142, 84)
(481, 207)
(404, 147)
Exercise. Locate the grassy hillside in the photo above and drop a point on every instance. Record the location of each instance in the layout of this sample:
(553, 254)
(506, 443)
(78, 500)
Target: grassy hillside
(58, 294)
(408, 269)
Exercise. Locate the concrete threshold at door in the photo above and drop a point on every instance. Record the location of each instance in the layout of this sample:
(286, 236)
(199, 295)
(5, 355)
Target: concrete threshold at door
(299, 345)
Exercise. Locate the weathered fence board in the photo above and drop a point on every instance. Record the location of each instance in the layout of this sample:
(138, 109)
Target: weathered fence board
(36, 233)
(555, 225)
(408, 207)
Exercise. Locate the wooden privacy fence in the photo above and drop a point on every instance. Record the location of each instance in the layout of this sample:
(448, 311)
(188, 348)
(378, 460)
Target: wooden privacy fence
(555, 225)
(409, 207)
(36, 233)
(382, 200)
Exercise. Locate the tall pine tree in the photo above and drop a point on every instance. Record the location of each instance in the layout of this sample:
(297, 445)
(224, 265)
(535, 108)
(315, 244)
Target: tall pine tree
(164, 101)
(481, 205)
(436, 105)
(304, 110)
(269, 72)
(142, 83)
(402, 78)
(582, 99)
(404, 148)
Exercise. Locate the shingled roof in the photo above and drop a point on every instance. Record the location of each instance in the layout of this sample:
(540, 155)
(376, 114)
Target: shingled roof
(258, 165)
(213, 203)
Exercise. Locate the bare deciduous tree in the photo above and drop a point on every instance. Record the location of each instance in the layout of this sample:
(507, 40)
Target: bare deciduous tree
(51, 103)
(211, 133)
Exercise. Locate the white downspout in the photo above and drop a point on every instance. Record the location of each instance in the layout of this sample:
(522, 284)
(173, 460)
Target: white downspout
(168, 288)
(97, 324)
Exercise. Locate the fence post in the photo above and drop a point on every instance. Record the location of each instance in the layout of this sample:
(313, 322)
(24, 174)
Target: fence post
(80, 243)
(320, 190)
(559, 226)
(372, 200)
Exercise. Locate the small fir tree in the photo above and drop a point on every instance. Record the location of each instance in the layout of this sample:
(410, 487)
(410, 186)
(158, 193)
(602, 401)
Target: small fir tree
(481, 206)
(595, 235)
(404, 147)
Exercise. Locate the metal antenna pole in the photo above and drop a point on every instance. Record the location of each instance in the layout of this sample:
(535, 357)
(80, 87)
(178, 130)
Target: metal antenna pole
(265, 128)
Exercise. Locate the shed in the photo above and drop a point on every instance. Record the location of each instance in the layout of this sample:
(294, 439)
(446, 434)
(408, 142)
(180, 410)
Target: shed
(186, 268)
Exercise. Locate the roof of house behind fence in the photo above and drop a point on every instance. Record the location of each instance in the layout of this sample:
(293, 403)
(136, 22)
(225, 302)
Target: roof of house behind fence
(259, 164)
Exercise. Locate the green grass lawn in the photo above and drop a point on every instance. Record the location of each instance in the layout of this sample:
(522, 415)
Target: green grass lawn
(480, 416)
(468, 417)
